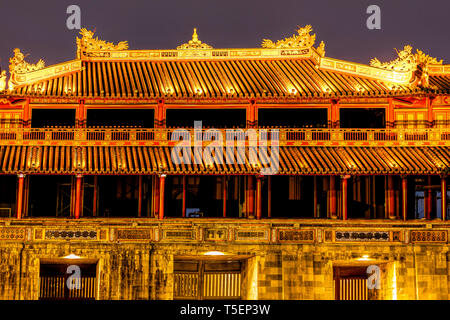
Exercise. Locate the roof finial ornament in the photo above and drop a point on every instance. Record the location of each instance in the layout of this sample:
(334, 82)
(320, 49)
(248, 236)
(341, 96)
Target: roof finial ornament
(194, 43)
(407, 61)
(195, 36)
(3, 81)
(18, 65)
(300, 40)
(88, 42)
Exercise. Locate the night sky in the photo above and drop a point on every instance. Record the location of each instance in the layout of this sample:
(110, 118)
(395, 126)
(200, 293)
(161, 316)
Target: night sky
(39, 27)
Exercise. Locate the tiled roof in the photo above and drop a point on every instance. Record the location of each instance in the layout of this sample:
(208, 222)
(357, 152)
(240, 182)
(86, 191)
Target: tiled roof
(153, 160)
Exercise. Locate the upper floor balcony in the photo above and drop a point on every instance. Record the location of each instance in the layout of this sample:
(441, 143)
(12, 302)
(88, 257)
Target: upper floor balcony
(273, 135)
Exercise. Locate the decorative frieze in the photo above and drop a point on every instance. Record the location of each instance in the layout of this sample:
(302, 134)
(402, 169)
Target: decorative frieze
(12, 234)
(179, 234)
(362, 236)
(70, 235)
(433, 236)
(134, 234)
(252, 235)
(296, 235)
(215, 234)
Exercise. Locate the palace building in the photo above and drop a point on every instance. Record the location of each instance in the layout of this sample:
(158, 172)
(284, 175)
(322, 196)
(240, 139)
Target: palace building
(201, 173)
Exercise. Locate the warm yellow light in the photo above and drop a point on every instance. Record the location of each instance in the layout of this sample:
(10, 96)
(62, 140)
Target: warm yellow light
(214, 253)
(72, 256)
(364, 258)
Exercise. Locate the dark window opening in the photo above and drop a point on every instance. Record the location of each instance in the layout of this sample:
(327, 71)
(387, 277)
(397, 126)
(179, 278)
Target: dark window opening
(118, 196)
(7, 196)
(210, 118)
(50, 196)
(205, 280)
(363, 118)
(137, 118)
(204, 196)
(292, 196)
(293, 118)
(63, 281)
(44, 118)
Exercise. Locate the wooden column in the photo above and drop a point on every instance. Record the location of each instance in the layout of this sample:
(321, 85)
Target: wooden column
(269, 196)
(315, 197)
(95, 196)
(333, 212)
(79, 181)
(390, 119)
(80, 115)
(155, 203)
(258, 197)
(428, 203)
(140, 196)
(334, 114)
(344, 182)
(250, 198)
(429, 105)
(20, 181)
(160, 115)
(184, 198)
(224, 196)
(391, 200)
(162, 180)
(26, 114)
(251, 114)
(404, 198)
(444, 198)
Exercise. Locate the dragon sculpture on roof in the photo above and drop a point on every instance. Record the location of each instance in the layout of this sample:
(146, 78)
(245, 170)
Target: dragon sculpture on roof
(303, 38)
(88, 42)
(407, 61)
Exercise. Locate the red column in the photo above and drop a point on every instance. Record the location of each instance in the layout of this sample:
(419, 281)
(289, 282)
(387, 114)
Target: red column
(391, 199)
(251, 118)
(344, 182)
(80, 115)
(404, 198)
(156, 196)
(334, 113)
(258, 197)
(428, 203)
(251, 197)
(160, 115)
(224, 196)
(333, 212)
(162, 180)
(94, 209)
(443, 198)
(429, 105)
(78, 196)
(140, 196)
(269, 196)
(20, 195)
(390, 113)
(26, 114)
(184, 198)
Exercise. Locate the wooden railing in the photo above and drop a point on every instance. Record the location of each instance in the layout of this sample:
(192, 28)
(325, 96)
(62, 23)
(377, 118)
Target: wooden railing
(55, 288)
(186, 285)
(214, 285)
(282, 135)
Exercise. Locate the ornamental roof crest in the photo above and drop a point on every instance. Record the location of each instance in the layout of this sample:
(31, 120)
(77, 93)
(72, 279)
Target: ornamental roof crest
(17, 64)
(406, 61)
(194, 43)
(88, 42)
(303, 38)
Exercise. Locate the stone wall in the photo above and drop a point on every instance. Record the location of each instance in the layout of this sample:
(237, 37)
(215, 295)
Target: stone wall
(136, 262)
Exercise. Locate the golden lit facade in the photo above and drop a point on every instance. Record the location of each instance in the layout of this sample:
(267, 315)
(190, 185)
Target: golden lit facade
(363, 157)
